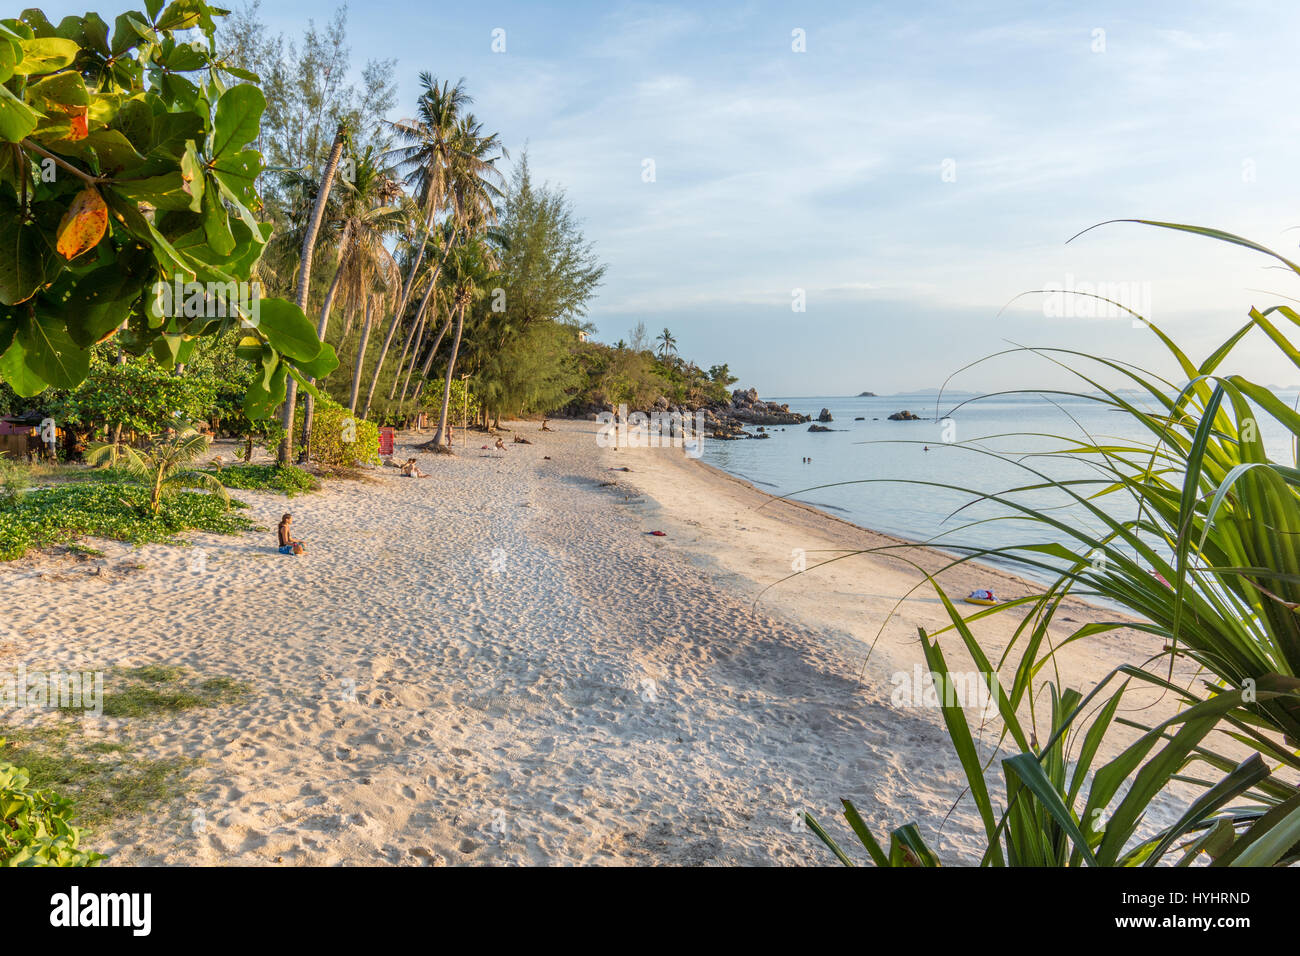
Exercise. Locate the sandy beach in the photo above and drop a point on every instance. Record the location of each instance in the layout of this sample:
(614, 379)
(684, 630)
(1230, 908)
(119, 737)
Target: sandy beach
(497, 664)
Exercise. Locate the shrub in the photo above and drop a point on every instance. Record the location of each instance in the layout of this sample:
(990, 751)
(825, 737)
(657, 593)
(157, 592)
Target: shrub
(14, 482)
(341, 437)
(139, 396)
(285, 479)
(36, 825)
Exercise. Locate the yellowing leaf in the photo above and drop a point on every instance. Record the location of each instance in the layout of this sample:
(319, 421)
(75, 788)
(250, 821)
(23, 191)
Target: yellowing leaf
(83, 225)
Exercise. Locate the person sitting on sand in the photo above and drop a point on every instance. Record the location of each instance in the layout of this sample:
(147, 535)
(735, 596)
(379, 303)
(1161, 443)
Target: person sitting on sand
(409, 470)
(501, 445)
(288, 544)
(545, 426)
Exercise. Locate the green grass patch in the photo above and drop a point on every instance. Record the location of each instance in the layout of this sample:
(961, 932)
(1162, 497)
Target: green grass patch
(109, 509)
(154, 688)
(104, 781)
(284, 479)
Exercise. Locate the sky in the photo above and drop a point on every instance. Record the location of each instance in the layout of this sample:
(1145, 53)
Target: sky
(903, 171)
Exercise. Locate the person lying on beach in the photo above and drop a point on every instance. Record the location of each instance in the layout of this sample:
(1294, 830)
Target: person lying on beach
(288, 544)
(409, 470)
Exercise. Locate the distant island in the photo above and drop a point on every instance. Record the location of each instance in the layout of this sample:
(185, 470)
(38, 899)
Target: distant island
(866, 394)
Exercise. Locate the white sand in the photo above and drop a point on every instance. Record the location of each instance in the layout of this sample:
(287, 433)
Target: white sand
(536, 680)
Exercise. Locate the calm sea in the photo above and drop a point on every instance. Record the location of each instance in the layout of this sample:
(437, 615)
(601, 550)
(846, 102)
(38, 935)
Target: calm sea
(881, 476)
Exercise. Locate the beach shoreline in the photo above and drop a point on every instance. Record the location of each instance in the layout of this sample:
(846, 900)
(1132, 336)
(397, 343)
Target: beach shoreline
(500, 664)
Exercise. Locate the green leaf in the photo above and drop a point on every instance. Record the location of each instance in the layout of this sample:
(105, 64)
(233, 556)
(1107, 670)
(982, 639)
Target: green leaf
(288, 330)
(15, 373)
(23, 255)
(259, 401)
(51, 353)
(17, 119)
(45, 55)
(324, 363)
(216, 222)
(238, 119)
(238, 173)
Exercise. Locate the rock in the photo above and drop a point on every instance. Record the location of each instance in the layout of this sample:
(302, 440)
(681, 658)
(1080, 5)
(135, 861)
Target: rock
(904, 416)
(825, 415)
(819, 428)
(860, 418)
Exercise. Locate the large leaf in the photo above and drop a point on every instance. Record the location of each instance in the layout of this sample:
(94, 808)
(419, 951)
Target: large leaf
(84, 224)
(324, 363)
(238, 119)
(51, 353)
(289, 331)
(15, 373)
(45, 55)
(23, 255)
(17, 119)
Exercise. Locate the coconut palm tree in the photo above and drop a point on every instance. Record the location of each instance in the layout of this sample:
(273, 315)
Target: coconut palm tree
(473, 214)
(304, 276)
(667, 344)
(435, 149)
(367, 213)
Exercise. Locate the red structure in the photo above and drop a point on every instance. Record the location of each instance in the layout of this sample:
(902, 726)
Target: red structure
(387, 438)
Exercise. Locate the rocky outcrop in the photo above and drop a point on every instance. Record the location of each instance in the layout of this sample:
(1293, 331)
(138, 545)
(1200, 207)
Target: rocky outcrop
(819, 428)
(825, 415)
(746, 406)
(904, 416)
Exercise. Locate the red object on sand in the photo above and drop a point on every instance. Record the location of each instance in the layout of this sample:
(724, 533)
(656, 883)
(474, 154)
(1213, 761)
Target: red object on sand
(387, 438)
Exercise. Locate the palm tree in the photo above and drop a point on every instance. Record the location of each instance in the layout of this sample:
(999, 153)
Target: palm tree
(368, 212)
(473, 213)
(304, 277)
(667, 344)
(436, 148)
(162, 465)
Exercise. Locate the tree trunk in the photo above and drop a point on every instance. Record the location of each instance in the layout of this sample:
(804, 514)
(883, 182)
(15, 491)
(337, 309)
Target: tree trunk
(304, 280)
(428, 359)
(309, 408)
(397, 313)
(418, 334)
(361, 358)
(392, 326)
(439, 437)
(416, 326)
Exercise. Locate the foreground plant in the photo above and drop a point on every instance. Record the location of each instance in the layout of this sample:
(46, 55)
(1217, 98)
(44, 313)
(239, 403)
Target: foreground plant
(1055, 808)
(163, 465)
(127, 166)
(1195, 532)
(36, 825)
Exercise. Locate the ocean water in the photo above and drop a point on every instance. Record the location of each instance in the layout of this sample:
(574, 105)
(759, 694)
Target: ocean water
(877, 473)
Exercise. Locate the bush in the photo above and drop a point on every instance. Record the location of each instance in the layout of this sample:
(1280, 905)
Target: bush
(36, 825)
(286, 479)
(341, 437)
(139, 396)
